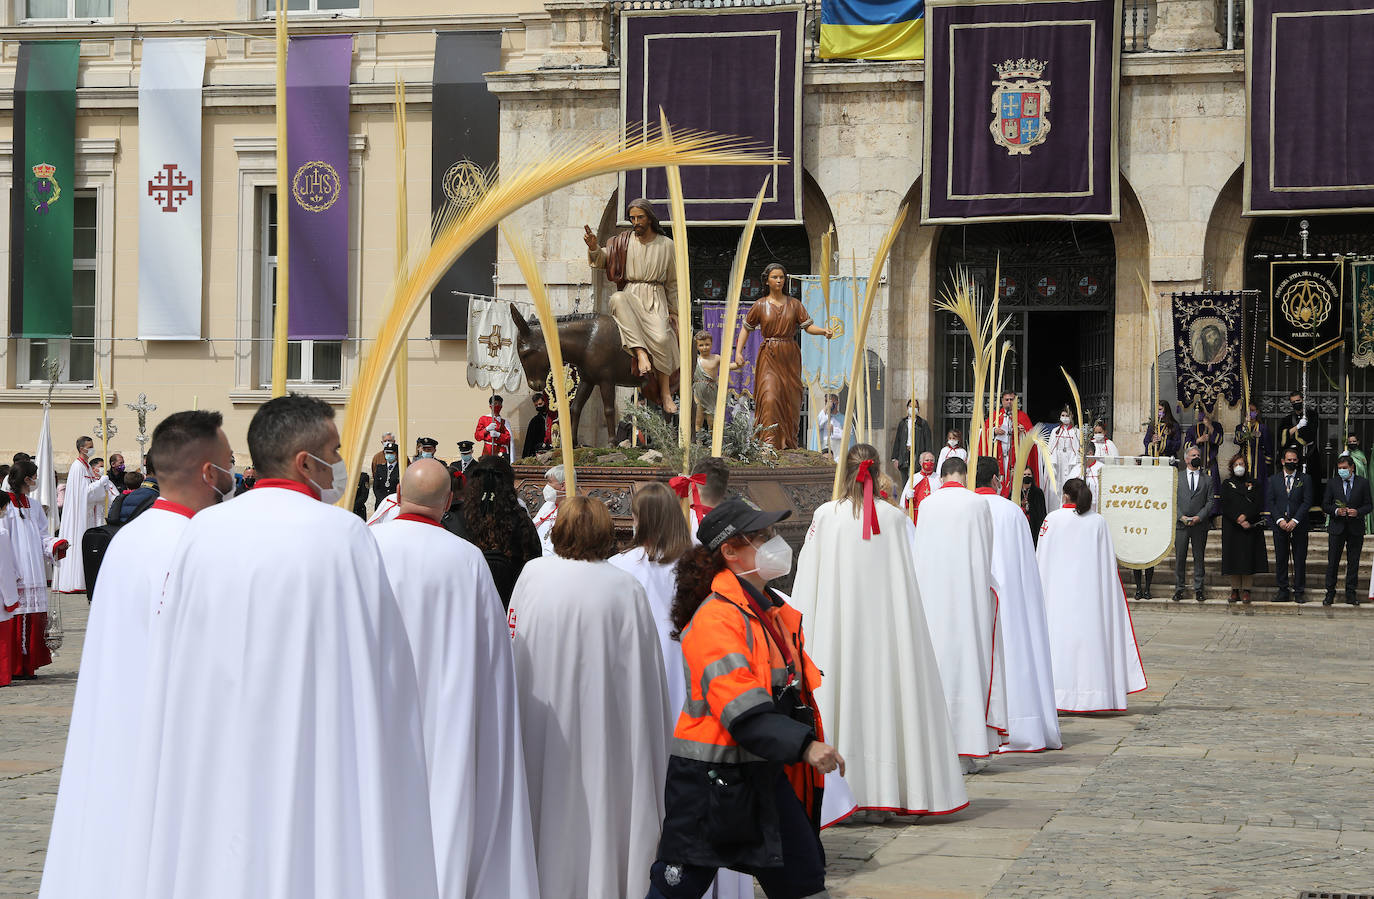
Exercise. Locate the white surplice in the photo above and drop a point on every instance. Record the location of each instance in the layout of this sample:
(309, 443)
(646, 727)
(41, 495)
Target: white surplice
(945, 453)
(9, 577)
(86, 845)
(594, 722)
(1066, 461)
(387, 509)
(1092, 643)
(479, 804)
(1104, 450)
(953, 552)
(32, 546)
(282, 753)
(80, 510)
(659, 583)
(1032, 720)
(881, 700)
(544, 520)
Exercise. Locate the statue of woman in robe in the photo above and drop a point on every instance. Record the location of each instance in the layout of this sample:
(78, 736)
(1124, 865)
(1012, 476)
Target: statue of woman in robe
(777, 373)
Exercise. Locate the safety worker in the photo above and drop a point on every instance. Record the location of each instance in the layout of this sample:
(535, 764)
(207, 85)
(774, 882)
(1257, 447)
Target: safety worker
(747, 760)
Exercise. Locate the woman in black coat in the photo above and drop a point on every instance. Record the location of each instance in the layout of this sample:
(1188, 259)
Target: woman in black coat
(1243, 554)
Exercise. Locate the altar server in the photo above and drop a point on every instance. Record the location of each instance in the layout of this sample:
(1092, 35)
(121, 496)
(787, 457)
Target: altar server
(86, 487)
(33, 548)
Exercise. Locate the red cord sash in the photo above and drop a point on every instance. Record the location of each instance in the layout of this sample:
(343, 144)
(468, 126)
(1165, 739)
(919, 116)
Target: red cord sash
(870, 511)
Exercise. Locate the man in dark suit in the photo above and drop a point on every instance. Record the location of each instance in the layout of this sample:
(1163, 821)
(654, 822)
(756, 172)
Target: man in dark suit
(1288, 496)
(1194, 499)
(1347, 503)
(386, 473)
(912, 427)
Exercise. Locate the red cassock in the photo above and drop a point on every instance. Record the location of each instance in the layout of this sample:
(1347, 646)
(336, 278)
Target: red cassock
(493, 444)
(1005, 454)
(921, 492)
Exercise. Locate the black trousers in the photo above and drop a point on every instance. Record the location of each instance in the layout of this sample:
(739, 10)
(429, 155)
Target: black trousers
(802, 874)
(1149, 574)
(1350, 544)
(1294, 542)
(1192, 536)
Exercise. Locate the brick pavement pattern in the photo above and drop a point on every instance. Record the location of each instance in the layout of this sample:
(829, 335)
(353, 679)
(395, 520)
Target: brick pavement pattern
(1245, 770)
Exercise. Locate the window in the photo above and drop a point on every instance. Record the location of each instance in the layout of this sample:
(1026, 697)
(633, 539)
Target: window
(38, 10)
(307, 361)
(312, 7)
(77, 355)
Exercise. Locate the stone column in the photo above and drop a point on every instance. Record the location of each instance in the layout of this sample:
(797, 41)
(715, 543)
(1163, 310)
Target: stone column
(1185, 25)
(580, 34)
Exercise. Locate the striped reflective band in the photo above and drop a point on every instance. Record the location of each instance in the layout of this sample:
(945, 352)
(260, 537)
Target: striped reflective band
(711, 752)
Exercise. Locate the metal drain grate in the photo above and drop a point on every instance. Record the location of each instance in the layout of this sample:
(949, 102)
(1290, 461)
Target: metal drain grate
(1314, 894)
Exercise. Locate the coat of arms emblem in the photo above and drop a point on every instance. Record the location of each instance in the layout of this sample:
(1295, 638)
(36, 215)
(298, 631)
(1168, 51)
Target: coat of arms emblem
(1020, 106)
(44, 190)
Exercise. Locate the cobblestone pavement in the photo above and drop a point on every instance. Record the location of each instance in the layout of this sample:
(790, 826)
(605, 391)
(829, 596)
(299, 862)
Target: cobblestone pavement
(1246, 770)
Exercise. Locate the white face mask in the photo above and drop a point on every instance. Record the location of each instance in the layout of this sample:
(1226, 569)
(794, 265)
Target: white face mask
(1099, 438)
(224, 495)
(339, 476)
(773, 559)
(86, 451)
(1239, 470)
(550, 493)
(1064, 419)
(953, 444)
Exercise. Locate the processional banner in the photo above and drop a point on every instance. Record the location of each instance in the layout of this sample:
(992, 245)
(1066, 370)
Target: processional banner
(492, 360)
(1208, 347)
(170, 188)
(1308, 69)
(827, 364)
(1138, 496)
(713, 323)
(872, 29)
(732, 71)
(1307, 307)
(1363, 273)
(466, 146)
(1021, 111)
(44, 161)
(318, 72)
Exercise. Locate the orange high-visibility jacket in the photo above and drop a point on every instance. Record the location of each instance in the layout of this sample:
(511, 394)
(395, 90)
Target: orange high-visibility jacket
(732, 668)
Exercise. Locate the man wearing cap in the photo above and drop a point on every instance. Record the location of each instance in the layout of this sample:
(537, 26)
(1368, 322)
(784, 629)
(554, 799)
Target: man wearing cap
(465, 459)
(639, 262)
(379, 456)
(386, 472)
(493, 432)
(426, 448)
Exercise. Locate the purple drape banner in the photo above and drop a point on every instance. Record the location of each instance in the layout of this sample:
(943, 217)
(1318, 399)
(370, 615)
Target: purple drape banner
(713, 322)
(1308, 70)
(732, 71)
(317, 80)
(1021, 110)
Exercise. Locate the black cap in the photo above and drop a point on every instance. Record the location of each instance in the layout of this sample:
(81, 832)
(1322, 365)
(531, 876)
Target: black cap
(735, 516)
(465, 446)
(427, 441)
(390, 448)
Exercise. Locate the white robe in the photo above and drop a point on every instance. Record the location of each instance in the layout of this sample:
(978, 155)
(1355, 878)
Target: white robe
(1094, 477)
(282, 754)
(86, 845)
(1065, 461)
(32, 547)
(387, 509)
(881, 700)
(594, 721)
(82, 509)
(1092, 642)
(479, 804)
(544, 520)
(659, 583)
(1032, 720)
(945, 453)
(953, 549)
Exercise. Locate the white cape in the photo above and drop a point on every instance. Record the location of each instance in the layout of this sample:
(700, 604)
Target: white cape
(594, 721)
(880, 700)
(387, 509)
(544, 520)
(86, 845)
(953, 553)
(1092, 642)
(659, 583)
(282, 754)
(1032, 719)
(86, 501)
(483, 843)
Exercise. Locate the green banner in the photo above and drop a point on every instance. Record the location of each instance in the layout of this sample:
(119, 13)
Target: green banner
(41, 224)
(1363, 354)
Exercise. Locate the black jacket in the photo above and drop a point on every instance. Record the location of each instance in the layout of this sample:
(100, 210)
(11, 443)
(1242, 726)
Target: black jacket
(1284, 504)
(385, 480)
(901, 452)
(505, 565)
(535, 434)
(1359, 501)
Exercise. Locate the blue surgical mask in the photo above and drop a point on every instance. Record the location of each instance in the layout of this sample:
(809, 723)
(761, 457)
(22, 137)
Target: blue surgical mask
(1345, 473)
(426, 455)
(390, 457)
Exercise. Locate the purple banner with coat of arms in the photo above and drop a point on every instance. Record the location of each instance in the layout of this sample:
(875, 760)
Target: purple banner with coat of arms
(1021, 111)
(318, 72)
(1308, 70)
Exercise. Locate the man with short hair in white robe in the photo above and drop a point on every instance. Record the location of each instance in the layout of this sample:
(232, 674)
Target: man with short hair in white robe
(478, 802)
(1032, 719)
(84, 485)
(547, 516)
(953, 551)
(282, 753)
(1092, 641)
(86, 844)
(856, 587)
(593, 712)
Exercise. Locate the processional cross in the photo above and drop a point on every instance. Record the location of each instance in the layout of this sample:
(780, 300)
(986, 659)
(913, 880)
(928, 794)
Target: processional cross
(142, 408)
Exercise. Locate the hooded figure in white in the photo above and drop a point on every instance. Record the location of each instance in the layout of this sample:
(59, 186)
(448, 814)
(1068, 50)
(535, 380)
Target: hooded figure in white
(884, 708)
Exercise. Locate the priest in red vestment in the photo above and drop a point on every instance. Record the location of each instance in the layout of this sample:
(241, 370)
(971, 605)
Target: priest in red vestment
(1002, 434)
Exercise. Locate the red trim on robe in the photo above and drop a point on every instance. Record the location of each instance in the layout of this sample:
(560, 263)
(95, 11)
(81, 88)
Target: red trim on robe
(898, 811)
(167, 505)
(284, 484)
(987, 491)
(411, 516)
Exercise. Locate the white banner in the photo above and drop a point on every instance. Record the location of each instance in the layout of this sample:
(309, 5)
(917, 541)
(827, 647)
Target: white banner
(1138, 499)
(170, 189)
(492, 361)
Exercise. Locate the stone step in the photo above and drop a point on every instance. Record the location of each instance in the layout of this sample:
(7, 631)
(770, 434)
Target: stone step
(1216, 603)
(1317, 547)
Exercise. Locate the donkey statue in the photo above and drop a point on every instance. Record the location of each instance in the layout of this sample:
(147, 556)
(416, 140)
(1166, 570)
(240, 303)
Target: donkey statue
(591, 343)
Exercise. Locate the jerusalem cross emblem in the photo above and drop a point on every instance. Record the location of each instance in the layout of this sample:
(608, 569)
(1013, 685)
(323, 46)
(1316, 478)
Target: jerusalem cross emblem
(170, 187)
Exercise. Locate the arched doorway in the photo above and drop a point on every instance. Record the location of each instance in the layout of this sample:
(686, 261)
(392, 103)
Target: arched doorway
(1058, 287)
(1277, 375)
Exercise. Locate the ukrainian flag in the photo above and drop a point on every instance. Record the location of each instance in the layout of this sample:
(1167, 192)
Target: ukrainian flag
(873, 29)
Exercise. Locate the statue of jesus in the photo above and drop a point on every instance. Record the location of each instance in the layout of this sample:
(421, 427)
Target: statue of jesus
(640, 264)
